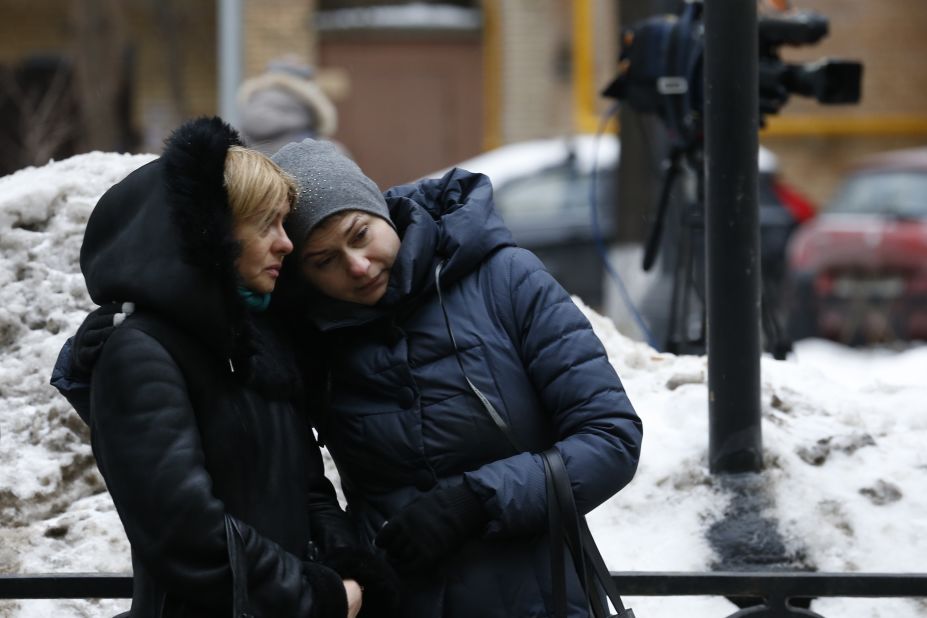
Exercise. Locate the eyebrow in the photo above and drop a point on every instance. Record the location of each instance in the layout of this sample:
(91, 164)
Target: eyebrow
(348, 231)
(271, 215)
(355, 220)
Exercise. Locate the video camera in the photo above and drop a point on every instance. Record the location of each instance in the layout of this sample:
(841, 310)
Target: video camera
(660, 68)
(660, 72)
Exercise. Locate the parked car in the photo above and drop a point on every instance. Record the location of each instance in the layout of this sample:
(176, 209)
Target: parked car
(858, 272)
(542, 189)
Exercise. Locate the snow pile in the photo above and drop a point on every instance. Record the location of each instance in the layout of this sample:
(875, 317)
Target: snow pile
(54, 511)
(843, 433)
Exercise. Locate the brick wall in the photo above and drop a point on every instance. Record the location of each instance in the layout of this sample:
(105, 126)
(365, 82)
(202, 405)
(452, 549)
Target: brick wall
(46, 26)
(535, 94)
(274, 28)
(535, 84)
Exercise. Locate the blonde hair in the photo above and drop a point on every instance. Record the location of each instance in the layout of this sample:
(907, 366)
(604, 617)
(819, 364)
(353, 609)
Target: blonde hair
(255, 184)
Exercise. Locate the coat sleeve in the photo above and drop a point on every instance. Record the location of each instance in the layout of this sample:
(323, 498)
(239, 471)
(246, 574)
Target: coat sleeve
(147, 445)
(597, 430)
(75, 389)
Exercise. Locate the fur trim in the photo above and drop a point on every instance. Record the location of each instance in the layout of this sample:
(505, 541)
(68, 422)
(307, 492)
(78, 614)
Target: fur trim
(194, 163)
(194, 170)
(304, 90)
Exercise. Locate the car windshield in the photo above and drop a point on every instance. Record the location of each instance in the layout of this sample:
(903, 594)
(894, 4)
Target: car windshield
(902, 194)
(552, 193)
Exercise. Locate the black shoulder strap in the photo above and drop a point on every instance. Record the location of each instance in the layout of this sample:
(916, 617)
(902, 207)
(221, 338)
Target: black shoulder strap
(593, 574)
(487, 405)
(564, 521)
(237, 563)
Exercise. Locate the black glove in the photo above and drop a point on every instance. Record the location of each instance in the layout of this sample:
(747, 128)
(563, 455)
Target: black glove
(375, 576)
(431, 527)
(92, 334)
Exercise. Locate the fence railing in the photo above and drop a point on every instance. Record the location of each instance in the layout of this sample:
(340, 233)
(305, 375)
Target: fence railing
(774, 593)
(66, 586)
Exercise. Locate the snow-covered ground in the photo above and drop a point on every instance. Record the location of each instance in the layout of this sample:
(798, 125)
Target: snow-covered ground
(844, 433)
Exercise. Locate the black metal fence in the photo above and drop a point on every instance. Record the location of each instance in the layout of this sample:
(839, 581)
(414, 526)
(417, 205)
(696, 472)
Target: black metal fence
(770, 595)
(777, 595)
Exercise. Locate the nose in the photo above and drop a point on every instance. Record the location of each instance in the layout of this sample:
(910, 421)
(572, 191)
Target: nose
(282, 244)
(358, 264)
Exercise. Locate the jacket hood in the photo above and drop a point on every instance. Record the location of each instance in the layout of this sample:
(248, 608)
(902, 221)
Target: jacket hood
(461, 206)
(279, 103)
(163, 238)
(451, 219)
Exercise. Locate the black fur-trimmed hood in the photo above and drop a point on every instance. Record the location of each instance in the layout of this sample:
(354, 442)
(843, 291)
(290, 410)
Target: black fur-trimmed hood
(163, 238)
(194, 169)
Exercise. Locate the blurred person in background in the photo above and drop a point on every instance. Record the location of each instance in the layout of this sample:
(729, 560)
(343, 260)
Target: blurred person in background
(282, 105)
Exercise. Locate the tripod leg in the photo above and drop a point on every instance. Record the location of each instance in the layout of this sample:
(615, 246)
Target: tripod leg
(656, 230)
(777, 342)
(678, 333)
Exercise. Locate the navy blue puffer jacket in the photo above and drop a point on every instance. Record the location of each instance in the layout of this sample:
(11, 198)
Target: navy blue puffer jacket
(402, 421)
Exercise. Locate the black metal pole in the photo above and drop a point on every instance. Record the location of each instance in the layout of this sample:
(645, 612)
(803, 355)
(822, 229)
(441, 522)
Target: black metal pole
(732, 235)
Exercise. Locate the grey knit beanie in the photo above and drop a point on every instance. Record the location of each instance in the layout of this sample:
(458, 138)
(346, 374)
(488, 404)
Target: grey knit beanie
(327, 183)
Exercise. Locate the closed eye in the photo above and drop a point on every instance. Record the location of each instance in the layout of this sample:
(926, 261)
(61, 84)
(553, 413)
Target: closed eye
(320, 261)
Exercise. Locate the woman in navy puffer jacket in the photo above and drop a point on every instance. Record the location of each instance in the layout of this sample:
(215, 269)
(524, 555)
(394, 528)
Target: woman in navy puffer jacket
(429, 478)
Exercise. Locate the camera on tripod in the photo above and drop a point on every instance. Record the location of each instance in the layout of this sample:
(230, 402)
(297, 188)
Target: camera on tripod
(660, 73)
(660, 68)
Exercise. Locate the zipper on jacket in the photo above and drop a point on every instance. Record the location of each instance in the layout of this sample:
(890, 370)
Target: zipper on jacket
(487, 406)
(313, 554)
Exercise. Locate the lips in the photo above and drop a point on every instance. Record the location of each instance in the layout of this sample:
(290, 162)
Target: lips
(372, 283)
(273, 271)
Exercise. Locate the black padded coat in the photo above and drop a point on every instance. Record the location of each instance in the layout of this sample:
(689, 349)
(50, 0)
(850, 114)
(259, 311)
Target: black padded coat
(401, 420)
(195, 412)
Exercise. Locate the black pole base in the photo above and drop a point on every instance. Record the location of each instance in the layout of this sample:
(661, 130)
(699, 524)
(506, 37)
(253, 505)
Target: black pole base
(748, 539)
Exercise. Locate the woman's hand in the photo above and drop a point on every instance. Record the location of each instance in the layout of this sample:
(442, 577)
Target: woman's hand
(431, 527)
(355, 593)
(378, 581)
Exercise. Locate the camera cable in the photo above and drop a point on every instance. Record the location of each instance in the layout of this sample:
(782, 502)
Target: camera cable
(599, 238)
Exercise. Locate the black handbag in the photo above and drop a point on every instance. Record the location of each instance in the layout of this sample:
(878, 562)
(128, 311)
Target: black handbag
(236, 547)
(566, 526)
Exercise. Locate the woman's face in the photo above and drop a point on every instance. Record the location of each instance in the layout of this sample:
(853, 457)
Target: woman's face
(349, 256)
(263, 246)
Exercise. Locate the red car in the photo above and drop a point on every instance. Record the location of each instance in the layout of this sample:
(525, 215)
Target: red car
(858, 272)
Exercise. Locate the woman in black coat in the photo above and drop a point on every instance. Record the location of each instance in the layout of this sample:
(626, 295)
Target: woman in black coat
(196, 415)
